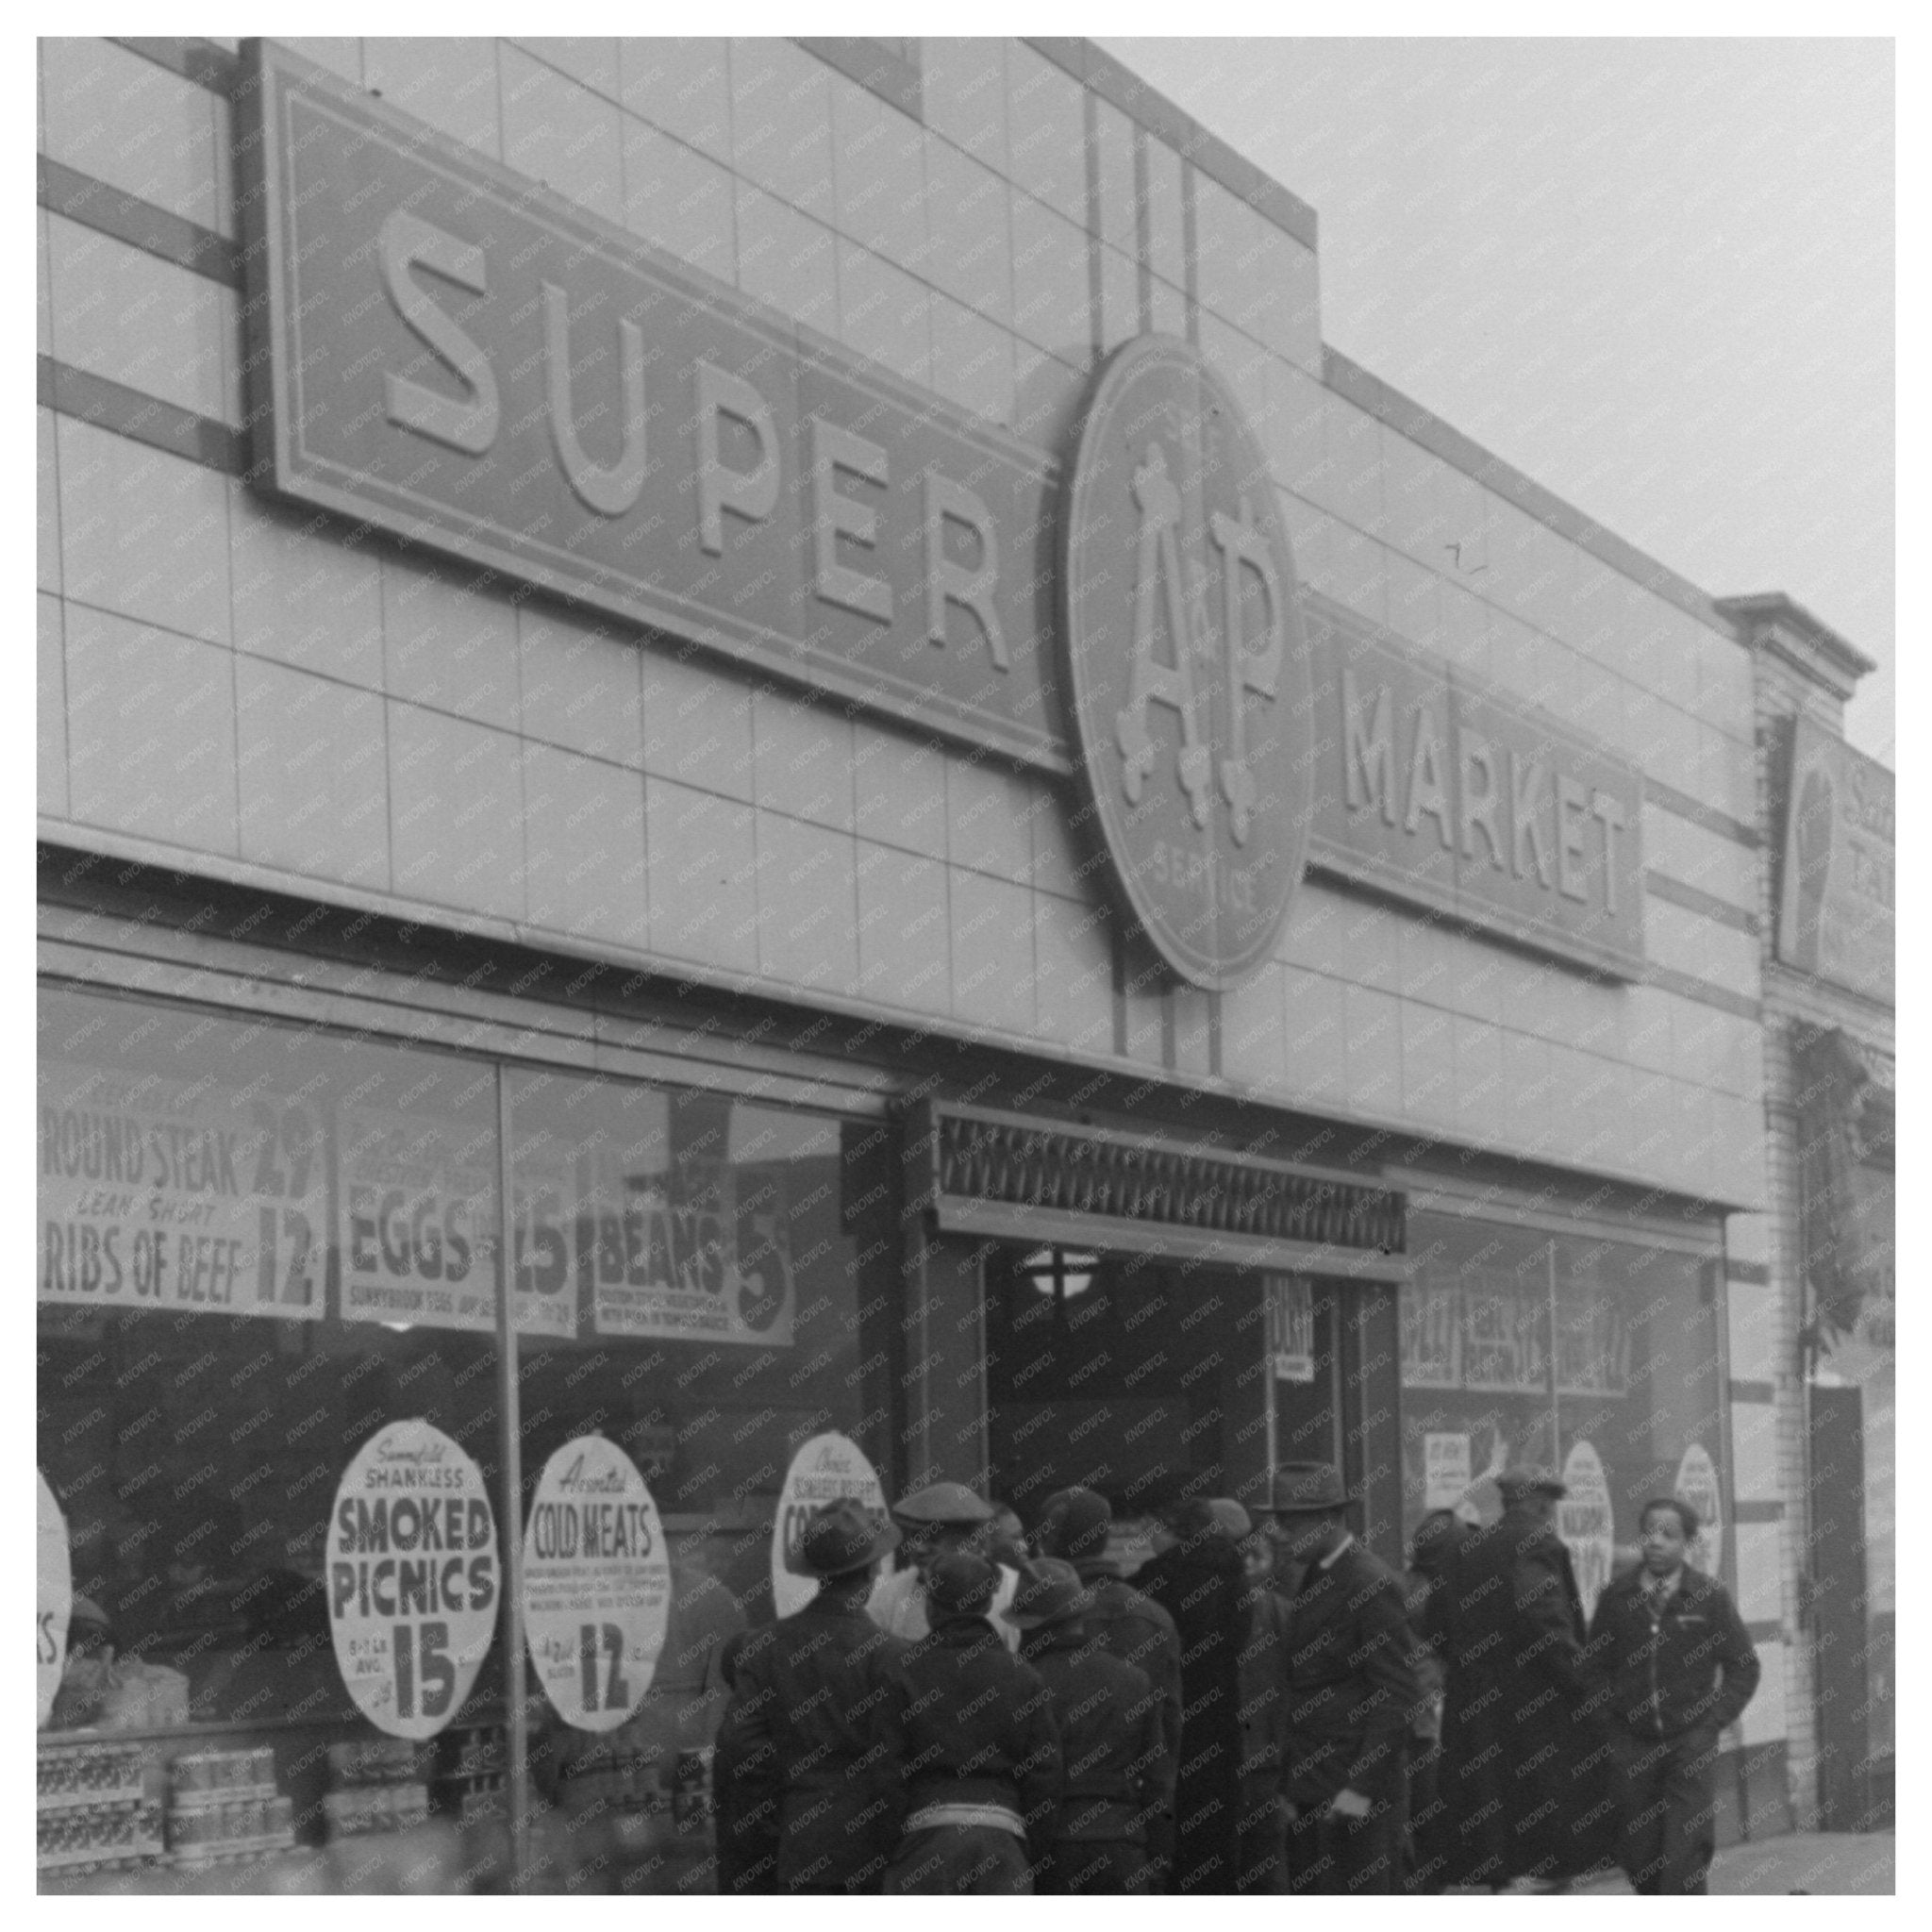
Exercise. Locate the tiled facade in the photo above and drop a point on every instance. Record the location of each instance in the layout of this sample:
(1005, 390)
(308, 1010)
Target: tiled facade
(247, 692)
(459, 730)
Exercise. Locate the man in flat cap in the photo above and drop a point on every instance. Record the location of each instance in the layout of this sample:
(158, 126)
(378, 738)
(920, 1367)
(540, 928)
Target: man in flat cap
(1524, 1747)
(939, 1517)
(1353, 1690)
(812, 1743)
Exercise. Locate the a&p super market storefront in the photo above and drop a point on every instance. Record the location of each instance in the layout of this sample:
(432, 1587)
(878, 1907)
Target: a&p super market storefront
(756, 783)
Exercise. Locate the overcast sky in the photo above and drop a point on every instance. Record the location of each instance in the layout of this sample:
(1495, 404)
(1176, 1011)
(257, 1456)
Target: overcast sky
(1656, 276)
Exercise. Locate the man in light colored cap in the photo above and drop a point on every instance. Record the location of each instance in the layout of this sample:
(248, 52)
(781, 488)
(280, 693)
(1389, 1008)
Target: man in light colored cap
(939, 1517)
(1112, 1739)
(811, 1744)
(1352, 1693)
(1526, 1750)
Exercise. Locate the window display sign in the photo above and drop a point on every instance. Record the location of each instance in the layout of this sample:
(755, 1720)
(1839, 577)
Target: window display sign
(1696, 1484)
(412, 1577)
(596, 1584)
(1291, 1328)
(162, 1194)
(826, 1468)
(698, 1252)
(1837, 913)
(1446, 1469)
(53, 1598)
(419, 1217)
(1585, 1521)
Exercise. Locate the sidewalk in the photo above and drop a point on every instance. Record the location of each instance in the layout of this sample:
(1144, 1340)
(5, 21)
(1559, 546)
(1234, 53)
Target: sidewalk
(1822, 1863)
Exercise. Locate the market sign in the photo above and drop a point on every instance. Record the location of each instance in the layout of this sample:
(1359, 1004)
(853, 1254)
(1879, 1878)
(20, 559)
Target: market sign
(596, 1584)
(826, 1468)
(1586, 1522)
(1697, 1485)
(412, 1577)
(1837, 885)
(1433, 789)
(53, 1598)
(449, 352)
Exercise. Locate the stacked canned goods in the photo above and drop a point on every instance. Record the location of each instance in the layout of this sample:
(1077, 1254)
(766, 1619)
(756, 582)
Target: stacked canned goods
(94, 1808)
(226, 1804)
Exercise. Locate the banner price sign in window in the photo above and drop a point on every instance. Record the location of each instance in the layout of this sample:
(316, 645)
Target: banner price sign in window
(159, 1194)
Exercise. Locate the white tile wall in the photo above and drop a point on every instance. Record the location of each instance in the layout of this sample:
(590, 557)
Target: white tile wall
(1760, 1595)
(46, 501)
(305, 593)
(150, 731)
(1765, 1720)
(313, 774)
(903, 956)
(584, 836)
(682, 86)
(50, 706)
(456, 811)
(703, 865)
(143, 533)
(451, 84)
(1074, 968)
(807, 902)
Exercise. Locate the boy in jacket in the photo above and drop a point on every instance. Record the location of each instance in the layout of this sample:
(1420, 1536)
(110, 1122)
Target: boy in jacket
(1674, 1664)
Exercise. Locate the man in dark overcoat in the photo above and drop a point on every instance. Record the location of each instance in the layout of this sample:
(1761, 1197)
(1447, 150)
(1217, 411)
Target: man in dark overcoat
(982, 1765)
(1074, 1524)
(1526, 1748)
(1228, 1831)
(1352, 1692)
(812, 1746)
(1113, 1743)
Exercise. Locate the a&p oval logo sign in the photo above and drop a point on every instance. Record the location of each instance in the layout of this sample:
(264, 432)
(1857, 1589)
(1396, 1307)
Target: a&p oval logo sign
(1187, 662)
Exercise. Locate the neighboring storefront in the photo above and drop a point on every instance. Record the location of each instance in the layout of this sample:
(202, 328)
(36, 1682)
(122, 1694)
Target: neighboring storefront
(1826, 1279)
(714, 831)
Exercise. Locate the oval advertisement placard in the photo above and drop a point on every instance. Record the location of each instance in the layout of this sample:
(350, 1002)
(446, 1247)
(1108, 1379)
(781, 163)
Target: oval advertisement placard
(53, 1596)
(1187, 662)
(824, 1468)
(596, 1584)
(1586, 1522)
(1697, 1485)
(413, 1578)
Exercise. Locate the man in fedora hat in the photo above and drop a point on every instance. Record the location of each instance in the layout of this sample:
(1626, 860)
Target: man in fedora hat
(1524, 1747)
(811, 1744)
(1352, 1692)
(1113, 1740)
(939, 1517)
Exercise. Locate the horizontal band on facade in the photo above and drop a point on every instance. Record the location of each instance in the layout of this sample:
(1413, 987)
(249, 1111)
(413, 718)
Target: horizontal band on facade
(107, 405)
(1686, 986)
(1764, 1629)
(108, 210)
(1707, 905)
(1769, 1510)
(1747, 1391)
(204, 62)
(1698, 813)
(1756, 1273)
(873, 67)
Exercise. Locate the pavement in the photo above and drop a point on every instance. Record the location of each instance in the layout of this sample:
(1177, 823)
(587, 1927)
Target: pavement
(1836, 1864)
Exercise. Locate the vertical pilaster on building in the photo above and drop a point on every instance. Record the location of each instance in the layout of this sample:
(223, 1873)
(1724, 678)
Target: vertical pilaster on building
(1801, 668)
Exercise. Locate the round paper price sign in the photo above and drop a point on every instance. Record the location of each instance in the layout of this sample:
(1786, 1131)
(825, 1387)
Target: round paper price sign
(596, 1584)
(413, 1578)
(53, 1596)
(1697, 1484)
(1584, 1521)
(824, 1468)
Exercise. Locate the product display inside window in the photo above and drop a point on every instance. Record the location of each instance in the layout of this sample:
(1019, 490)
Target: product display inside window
(1598, 1359)
(272, 1439)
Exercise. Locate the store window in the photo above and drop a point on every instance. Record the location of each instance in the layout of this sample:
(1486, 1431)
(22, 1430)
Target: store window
(1596, 1358)
(261, 1244)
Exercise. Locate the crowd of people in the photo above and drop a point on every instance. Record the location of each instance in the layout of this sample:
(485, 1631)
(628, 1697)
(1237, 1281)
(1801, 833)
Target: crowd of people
(1260, 1709)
